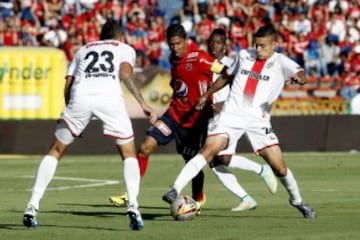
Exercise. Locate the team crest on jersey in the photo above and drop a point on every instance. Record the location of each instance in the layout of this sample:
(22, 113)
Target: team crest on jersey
(269, 65)
(188, 67)
(180, 88)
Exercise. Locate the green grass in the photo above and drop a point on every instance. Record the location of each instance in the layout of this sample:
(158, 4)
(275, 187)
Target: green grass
(328, 181)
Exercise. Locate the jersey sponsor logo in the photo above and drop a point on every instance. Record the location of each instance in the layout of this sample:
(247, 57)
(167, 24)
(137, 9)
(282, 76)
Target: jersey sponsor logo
(193, 54)
(180, 88)
(102, 43)
(253, 78)
(255, 75)
(97, 75)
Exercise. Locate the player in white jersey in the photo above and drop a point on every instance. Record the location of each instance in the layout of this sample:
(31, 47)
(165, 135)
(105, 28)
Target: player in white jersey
(92, 88)
(217, 48)
(257, 78)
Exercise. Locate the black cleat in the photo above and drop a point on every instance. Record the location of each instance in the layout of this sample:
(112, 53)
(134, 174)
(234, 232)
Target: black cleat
(305, 209)
(170, 196)
(29, 219)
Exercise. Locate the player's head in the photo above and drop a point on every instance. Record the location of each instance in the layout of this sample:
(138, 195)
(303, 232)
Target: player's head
(217, 43)
(265, 41)
(176, 38)
(110, 30)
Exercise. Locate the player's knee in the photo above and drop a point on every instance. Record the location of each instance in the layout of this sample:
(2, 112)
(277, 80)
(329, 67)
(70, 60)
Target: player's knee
(148, 146)
(220, 160)
(280, 171)
(63, 134)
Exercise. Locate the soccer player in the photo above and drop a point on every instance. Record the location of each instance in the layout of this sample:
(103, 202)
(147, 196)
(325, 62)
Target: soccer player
(192, 67)
(217, 48)
(92, 88)
(257, 77)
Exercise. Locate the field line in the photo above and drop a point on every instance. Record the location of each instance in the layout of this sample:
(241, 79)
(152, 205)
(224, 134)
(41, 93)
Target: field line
(92, 183)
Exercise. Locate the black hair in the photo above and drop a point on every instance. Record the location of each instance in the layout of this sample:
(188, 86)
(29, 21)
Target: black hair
(266, 31)
(219, 32)
(175, 30)
(110, 30)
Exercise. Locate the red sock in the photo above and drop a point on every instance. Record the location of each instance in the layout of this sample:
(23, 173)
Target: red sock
(143, 162)
(197, 186)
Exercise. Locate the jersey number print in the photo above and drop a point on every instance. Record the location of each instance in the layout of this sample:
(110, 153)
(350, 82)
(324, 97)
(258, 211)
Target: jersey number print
(101, 65)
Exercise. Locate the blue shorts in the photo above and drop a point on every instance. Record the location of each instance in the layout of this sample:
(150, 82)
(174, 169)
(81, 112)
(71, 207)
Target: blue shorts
(188, 140)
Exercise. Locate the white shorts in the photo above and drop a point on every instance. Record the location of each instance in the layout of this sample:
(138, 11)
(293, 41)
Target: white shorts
(111, 111)
(259, 134)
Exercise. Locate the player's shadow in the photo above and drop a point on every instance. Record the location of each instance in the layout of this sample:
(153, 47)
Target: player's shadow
(214, 212)
(116, 212)
(19, 226)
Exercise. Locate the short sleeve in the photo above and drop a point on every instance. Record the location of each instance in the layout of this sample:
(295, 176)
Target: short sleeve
(290, 67)
(234, 67)
(74, 64)
(128, 54)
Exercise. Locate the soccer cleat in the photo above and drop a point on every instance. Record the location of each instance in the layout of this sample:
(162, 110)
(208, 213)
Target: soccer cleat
(119, 201)
(170, 196)
(305, 209)
(136, 222)
(200, 204)
(269, 178)
(247, 203)
(29, 219)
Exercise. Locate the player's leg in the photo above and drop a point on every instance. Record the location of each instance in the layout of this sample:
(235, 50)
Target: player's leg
(264, 171)
(212, 146)
(147, 147)
(132, 181)
(46, 171)
(231, 183)
(188, 142)
(159, 134)
(117, 124)
(273, 156)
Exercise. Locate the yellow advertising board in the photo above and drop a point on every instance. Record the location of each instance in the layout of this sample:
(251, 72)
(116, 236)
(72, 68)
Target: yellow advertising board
(31, 82)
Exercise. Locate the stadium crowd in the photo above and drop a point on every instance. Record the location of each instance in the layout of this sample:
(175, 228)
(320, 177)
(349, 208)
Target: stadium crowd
(323, 36)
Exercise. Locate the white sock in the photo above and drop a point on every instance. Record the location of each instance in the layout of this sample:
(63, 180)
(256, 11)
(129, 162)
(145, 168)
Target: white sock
(291, 186)
(43, 177)
(189, 171)
(245, 164)
(229, 181)
(132, 180)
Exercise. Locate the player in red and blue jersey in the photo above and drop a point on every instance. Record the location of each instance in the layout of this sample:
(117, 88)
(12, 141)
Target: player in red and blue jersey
(191, 75)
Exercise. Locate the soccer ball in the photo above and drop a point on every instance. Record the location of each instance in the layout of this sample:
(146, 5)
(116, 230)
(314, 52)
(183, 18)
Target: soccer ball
(183, 208)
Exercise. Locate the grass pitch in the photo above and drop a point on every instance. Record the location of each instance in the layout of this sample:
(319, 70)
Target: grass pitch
(77, 207)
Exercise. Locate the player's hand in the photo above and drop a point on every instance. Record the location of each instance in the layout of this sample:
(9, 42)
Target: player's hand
(296, 80)
(149, 113)
(201, 102)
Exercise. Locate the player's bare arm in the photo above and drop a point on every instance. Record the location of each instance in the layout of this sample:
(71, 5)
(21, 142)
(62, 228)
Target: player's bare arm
(127, 76)
(68, 84)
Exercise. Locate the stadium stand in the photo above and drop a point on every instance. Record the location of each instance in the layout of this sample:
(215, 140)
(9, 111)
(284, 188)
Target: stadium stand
(321, 35)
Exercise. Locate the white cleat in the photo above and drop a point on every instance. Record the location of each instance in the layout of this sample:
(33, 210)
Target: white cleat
(247, 203)
(269, 178)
